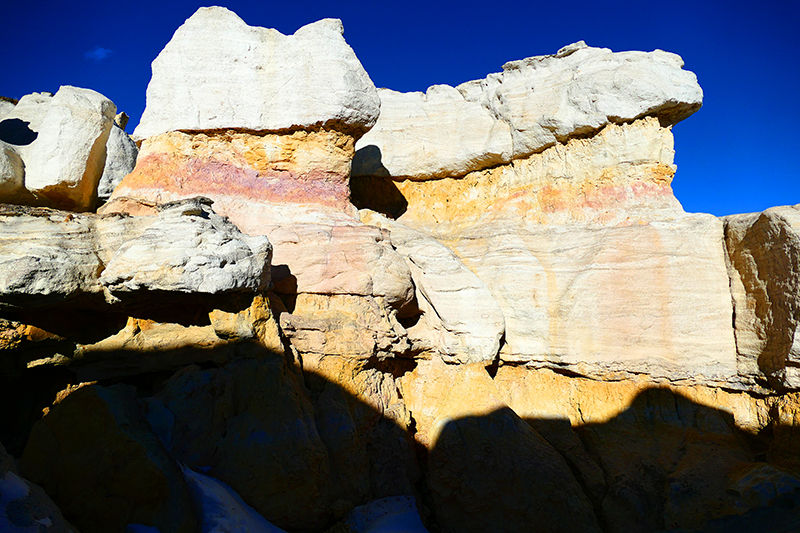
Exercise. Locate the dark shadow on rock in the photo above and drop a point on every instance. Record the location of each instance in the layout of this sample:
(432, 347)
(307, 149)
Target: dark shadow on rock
(371, 185)
(16, 131)
(304, 449)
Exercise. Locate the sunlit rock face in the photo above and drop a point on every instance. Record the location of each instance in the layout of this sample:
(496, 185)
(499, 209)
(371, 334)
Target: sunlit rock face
(764, 258)
(265, 125)
(61, 139)
(504, 322)
(533, 104)
(219, 73)
(98, 261)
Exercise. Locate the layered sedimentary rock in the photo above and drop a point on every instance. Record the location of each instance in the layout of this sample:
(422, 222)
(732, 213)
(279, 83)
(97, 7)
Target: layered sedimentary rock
(519, 328)
(563, 209)
(449, 132)
(279, 169)
(53, 256)
(457, 332)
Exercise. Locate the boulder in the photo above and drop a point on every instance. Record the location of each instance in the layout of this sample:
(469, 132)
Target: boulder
(61, 139)
(250, 425)
(121, 154)
(219, 73)
(764, 267)
(25, 507)
(487, 469)
(95, 454)
(533, 104)
(188, 249)
(431, 135)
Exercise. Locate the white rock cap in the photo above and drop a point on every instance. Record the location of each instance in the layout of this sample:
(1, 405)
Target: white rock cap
(217, 72)
(533, 104)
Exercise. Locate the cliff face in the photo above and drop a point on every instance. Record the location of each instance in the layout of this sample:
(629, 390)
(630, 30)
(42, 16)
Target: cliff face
(479, 308)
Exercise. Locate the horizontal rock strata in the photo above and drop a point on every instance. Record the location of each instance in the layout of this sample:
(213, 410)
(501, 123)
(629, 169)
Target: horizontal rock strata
(533, 104)
(50, 257)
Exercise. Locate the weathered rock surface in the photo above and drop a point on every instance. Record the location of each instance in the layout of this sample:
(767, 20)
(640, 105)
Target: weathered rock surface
(12, 174)
(302, 175)
(239, 327)
(25, 507)
(61, 139)
(460, 321)
(602, 300)
(764, 258)
(432, 135)
(6, 105)
(292, 188)
(96, 457)
(621, 175)
(217, 73)
(49, 256)
(121, 152)
(533, 104)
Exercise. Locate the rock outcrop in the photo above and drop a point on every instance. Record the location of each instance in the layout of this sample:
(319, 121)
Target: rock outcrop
(61, 139)
(219, 73)
(764, 264)
(51, 257)
(448, 132)
(488, 313)
(280, 169)
(121, 153)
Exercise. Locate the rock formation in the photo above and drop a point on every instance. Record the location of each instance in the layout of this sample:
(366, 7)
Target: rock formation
(317, 306)
(57, 149)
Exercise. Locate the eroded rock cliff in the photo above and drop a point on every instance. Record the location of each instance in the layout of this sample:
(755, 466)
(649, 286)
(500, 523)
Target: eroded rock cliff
(327, 307)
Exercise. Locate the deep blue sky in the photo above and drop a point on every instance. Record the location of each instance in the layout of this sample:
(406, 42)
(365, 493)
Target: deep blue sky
(739, 153)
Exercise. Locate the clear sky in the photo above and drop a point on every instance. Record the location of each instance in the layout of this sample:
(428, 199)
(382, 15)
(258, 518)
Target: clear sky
(739, 153)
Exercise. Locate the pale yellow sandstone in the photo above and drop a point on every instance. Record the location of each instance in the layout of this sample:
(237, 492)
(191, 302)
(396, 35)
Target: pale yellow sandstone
(619, 176)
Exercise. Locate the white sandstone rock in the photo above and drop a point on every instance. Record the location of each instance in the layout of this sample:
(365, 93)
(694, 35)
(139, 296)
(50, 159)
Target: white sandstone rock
(218, 72)
(650, 298)
(189, 249)
(48, 256)
(433, 134)
(461, 320)
(764, 267)
(538, 101)
(121, 152)
(6, 105)
(64, 152)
